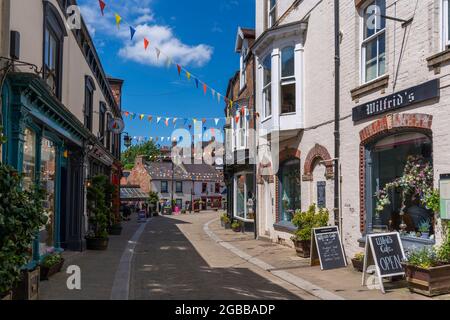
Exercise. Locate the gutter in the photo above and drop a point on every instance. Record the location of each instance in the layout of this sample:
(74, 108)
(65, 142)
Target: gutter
(337, 111)
(255, 148)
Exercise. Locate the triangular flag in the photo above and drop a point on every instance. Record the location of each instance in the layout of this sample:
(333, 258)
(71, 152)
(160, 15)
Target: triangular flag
(162, 139)
(146, 43)
(196, 82)
(205, 88)
(167, 122)
(142, 116)
(179, 69)
(216, 121)
(231, 104)
(185, 121)
(118, 19)
(218, 97)
(248, 117)
(175, 121)
(188, 75)
(127, 113)
(102, 6)
(204, 120)
(158, 120)
(237, 119)
(133, 116)
(213, 92)
(194, 120)
(132, 32)
(243, 111)
(150, 118)
(158, 53)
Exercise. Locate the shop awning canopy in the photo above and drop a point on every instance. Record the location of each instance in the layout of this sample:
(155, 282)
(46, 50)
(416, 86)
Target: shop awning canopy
(131, 193)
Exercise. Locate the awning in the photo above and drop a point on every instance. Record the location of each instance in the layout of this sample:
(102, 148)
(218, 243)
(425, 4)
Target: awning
(132, 194)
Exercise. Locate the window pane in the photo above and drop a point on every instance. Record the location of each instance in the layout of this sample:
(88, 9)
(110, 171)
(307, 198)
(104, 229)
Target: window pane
(288, 98)
(29, 159)
(48, 180)
(250, 197)
(267, 67)
(290, 189)
(268, 102)
(240, 196)
(369, 29)
(382, 21)
(287, 62)
(371, 60)
(381, 54)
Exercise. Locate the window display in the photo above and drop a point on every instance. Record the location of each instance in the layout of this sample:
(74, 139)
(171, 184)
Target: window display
(290, 189)
(29, 159)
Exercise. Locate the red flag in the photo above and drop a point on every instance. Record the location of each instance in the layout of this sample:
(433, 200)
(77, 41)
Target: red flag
(243, 111)
(102, 6)
(237, 119)
(146, 43)
(205, 88)
(179, 69)
(127, 113)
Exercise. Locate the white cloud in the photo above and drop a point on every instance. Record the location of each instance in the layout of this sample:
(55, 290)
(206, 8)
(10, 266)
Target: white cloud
(160, 36)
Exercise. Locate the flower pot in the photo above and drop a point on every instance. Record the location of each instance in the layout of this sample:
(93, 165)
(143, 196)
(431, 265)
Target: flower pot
(303, 248)
(28, 287)
(238, 229)
(97, 244)
(6, 296)
(425, 235)
(115, 230)
(46, 272)
(358, 265)
(429, 282)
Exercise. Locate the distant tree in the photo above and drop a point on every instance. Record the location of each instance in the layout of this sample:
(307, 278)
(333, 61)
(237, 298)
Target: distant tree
(148, 149)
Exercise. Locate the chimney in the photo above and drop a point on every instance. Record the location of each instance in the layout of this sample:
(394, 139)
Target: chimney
(116, 87)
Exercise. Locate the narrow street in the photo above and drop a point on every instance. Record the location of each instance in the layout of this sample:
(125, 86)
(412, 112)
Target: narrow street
(173, 259)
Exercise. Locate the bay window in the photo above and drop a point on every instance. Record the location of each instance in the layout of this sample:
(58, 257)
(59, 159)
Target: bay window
(373, 48)
(446, 24)
(287, 80)
(267, 86)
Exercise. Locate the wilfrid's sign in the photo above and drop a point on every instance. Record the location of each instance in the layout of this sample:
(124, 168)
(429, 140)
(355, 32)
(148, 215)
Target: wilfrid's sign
(426, 91)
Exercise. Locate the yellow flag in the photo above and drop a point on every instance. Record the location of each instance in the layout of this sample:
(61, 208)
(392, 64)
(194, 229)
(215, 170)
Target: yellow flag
(118, 19)
(188, 75)
(142, 117)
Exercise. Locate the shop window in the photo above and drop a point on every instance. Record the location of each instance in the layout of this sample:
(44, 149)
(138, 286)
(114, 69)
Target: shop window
(179, 187)
(164, 187)
(48, 181)
(290, 189)
(373, 45)
(88, 102)
(287, 80)
(385, 162)
(54, 33)
(271, 12)
(244, 197)
(204, 187)
(446, 24)
(29, 159)
(267, 86)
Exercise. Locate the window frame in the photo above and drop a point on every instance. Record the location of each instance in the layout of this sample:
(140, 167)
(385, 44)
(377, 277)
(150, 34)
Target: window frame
(281, 182)
(246, 190)
(166, 188)
(177, 184)
(445, 25)
(286, 81)
(271, 13)
(243, 66)
(365, 41)
(266, 88)
(88, 110)
(102, 121)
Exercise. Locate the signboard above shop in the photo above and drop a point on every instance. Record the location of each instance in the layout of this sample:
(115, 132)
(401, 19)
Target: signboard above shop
(423, 92)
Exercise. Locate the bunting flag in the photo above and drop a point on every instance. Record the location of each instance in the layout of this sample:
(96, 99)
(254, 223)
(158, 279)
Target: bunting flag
(196, 82)
(167, 122)
(216, 121)
(205, 88)
(146, 43)
(158, 53)
(237, 119)
(142, 116)
(204, 120)
(175, 121)
(150, 118)
(243, 111)
(118, 20)
(188, 75)
(213, 92)
(179, 69)
(132, 32)
(218, 97)
(158, 120)
(102, 6)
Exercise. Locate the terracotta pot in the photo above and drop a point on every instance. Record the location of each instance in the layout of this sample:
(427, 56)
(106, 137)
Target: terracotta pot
(358, 265)
(28, 287)
(97, 244)
(303, 248)
(429, 282)
(46, 273)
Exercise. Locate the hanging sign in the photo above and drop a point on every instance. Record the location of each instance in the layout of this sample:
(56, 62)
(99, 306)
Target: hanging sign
(426, 91)
(445, 196)
(116, 126)
(327, 249)
(385, 253)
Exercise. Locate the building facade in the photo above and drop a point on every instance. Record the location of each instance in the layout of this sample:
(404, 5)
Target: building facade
(394, 106)
(239, 134)
(57, 104)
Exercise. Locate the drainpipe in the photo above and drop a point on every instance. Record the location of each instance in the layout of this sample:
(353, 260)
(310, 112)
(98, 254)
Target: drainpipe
(255, 149)
(337, 138)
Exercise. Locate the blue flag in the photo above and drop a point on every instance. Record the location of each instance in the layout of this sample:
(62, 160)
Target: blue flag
(132, 31)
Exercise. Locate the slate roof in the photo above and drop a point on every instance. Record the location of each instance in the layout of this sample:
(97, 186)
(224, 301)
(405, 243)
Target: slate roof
(196, 172)
(132, 193)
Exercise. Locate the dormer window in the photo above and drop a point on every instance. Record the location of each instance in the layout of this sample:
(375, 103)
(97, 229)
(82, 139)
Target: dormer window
(272, 12)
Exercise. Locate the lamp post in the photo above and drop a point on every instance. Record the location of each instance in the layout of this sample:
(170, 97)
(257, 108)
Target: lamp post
(127, 140)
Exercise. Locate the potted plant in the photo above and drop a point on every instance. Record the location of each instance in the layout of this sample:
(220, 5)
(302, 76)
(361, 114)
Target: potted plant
(97, 238)
(50, 265)
(305, 222)
(358, 262)
(21, 215)
(424, 228)
(236, 226)
(225, 221)
(153, 200)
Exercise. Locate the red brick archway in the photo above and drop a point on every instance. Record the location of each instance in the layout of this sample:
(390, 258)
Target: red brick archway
(318, 153)
(391, 124)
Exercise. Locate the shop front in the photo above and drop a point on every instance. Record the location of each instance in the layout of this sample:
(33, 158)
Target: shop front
(45, 144)
(244, 198)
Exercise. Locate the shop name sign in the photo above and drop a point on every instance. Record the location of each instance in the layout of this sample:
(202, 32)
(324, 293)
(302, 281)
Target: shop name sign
(423, 92)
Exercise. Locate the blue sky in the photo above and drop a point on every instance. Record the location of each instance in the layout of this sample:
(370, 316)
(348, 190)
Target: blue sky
(198, 34)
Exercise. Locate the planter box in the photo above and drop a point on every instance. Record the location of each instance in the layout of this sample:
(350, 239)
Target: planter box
(358, 265)
(97, 244)
(429, 282)
(28, 288)
(115, 230)
(46, 273)
(303, 248)
(6, 296)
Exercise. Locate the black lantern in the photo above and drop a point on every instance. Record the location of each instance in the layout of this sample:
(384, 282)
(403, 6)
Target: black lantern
(127, 140)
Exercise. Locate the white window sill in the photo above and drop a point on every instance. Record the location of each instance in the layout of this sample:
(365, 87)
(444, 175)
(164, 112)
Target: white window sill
(288, 114)
(266, 119)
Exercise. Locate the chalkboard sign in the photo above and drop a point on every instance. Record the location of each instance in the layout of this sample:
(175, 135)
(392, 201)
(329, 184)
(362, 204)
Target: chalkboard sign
(385, 252)
(326, 249)
(321, 194)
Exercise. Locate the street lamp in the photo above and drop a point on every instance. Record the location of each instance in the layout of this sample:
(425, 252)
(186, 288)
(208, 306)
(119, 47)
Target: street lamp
(127, 140)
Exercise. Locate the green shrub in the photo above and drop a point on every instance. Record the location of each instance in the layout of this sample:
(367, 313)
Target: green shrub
(424, 258)
(236, 225)
(359, 256)
(306, 221)
(99, 207)
(51, 260)
(225, 219)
